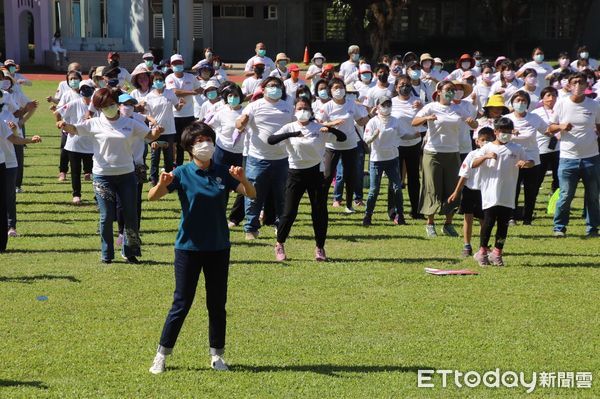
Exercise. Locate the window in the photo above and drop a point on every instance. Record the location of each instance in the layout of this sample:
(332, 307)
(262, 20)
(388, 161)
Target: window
(158, 31)
(326, 23)
(400, 28)
(76, 13)
(317, 23)
(270, 12)
(233, 11)
(426, 20)
(198, 21)
(453, 19)
(560, 23)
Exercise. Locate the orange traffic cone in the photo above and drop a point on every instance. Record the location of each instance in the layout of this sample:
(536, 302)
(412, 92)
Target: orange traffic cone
(306, 58)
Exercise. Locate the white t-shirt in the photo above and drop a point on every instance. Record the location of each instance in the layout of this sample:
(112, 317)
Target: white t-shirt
(250, 84)
(346, 69)
(498, 179)
(439, 76)
(280, 74)
(124, 76)
(376, 92)
(405, 112)
(291, 87)
(266, 118)
(68, 96)
(269, 64)
(385, 146)
(187, 82)
(7, 149)
(75, 112)
(139, 95)
(318, 105)
(592, 64)
(304, 151)
(349, 111)
(363, 89)
(458, 73)
(424, 91)
(581, 141)
(443, 134)
(138, 147)
(471, 174)
(465, 144)
(10, 102)
(312, 69)
(223, 124)
(542, 139)
(482, 93)
(510, 89)
(63, 86)
(528, 128)
(208, 110)
(113, 141)
(160, 106)
(542, 69)
(534, 98)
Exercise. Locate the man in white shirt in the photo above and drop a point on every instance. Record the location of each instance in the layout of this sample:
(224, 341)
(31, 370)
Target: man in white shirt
(578, 118)
(185, 85)
(351, 65)
(261, 56)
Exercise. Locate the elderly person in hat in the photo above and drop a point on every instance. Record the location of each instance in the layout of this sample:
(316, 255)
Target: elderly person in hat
(260, 57)
(464, 63)
(426, 62)
(251, 83)
(294, 81)
(123, 75)
(350, 66)
(478, 57)
(438, 73)
(281, 67)
(441, 159)
(365, 82)
(383, 134)
(206, 76)
(213, 102)
(184, 85)
(313, 74)
(148, 62)
(12, 68)
(141, 79)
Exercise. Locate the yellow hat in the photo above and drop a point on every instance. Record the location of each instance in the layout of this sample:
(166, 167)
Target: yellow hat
(497, 100)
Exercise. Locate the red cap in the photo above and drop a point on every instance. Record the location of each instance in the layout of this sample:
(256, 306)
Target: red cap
(113, 54)
(294, 68)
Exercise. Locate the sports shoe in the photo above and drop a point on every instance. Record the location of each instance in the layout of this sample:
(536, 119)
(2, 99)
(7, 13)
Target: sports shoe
(592, 234)
(512, 223)
(106, 261)
(87, 177)
(231, 224)
(158, 365)
(399, 220)
(12, 232)
(366, 220)
(449, 230)
(495, 257)
(251, 235)
(430, 230)
(217, 363)
(76, 200)
(481, 257)
(349, 211)
(559, 234)
(62, 176)
(467, 251)
(336, 204)
(131, 260)
(18, 190)
(280, 252)
(120, 240)
(320, 255)
(359, 203)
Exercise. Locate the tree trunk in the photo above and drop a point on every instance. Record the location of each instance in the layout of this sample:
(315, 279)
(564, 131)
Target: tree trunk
(381, 16)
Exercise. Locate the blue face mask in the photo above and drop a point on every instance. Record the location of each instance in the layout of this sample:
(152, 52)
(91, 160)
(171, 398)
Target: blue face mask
(234, 101)
(415, 75)
(149, 63)
(177, 68)
(211, 95)
(365, 77)
(165, 69)
(158, 84)
(274, 93)
(74, 83)
(262, 52)
(12, 69)
(520, 107)
(323, 94)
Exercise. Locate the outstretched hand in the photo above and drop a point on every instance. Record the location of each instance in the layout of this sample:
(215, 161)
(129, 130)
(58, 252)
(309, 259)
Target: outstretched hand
(165, 179)
(237, 172)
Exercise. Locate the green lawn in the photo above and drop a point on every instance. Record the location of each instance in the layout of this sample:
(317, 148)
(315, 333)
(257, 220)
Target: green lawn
(358, 326)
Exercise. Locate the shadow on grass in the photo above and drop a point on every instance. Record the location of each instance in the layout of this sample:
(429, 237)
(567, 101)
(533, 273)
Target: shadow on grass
(564, 264)
(358, 238)
(32, 279)
(398, 260)
(44, 251)
(31, 384)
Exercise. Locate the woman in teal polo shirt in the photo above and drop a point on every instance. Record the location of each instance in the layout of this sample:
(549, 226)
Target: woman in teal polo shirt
(202, 243)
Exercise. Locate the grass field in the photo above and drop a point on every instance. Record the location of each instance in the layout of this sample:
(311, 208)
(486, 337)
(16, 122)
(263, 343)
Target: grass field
(358, 326)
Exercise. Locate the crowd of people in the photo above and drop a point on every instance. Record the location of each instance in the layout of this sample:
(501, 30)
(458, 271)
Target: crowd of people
(464, 141)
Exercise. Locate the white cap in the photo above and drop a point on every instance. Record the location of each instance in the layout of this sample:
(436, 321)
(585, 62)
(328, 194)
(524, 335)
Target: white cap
(211, 84)
(318, 55)
(86, 82)
(176, 57)
(147, 55)
(364, 68)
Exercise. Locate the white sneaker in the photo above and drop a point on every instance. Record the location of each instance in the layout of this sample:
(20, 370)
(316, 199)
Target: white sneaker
(217, 363)
(349, 211)
(158, 366)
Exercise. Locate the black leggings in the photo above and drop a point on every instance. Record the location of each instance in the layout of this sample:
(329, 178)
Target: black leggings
(409, 157)
(180, 124)
(349, 160)
(499, 215)
(63, 167)
(530, 179)
(299, 181)
(549, 161)
(3, 210)
(76, 159)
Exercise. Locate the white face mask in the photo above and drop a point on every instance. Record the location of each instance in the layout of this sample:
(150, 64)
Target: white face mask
(584, 55)
(338, 94)
(302, 115)
(127, 110)
(203, 151)
(504, 137)
(385, 111)
(531, 80)
(465, 65)
(487, 77)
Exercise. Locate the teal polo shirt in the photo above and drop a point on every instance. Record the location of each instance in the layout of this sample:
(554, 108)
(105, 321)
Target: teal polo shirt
(203, 225)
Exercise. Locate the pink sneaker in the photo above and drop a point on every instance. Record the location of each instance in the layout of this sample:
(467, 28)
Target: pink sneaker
(336, 204)
(280, 252)
(495, 257)
(481, 257)
(320, 255)
(120, 240)
(62, 176)
(76, 200)
(12, 232)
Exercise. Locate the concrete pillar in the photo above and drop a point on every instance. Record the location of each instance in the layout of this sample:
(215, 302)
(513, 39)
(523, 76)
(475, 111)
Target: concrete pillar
(139, 30)
(186, 32)
(167, 13)
(208, 23)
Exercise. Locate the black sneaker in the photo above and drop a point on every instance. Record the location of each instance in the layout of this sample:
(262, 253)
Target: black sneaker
(366, 220)
(132, 260)
(106, 261)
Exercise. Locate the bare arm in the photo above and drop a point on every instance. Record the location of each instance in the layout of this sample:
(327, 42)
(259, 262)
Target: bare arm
(160, 190)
